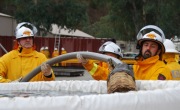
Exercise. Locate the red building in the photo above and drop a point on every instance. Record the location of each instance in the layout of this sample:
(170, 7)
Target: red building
(70, 44)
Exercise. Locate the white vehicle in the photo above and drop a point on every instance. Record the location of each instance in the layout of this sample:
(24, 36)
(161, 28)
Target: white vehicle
(129, 54)
(176, 42)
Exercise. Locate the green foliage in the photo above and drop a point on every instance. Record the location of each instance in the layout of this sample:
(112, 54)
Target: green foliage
(129, 16)
(101, 29)
(169, 18)
(43, 13)
(119, 19)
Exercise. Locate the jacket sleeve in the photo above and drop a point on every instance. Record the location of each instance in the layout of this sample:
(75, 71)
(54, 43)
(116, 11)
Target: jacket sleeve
(3, 71)
(162, 74)
(98, 71)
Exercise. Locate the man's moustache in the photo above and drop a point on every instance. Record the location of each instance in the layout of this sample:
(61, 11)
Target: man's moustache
(148, 51)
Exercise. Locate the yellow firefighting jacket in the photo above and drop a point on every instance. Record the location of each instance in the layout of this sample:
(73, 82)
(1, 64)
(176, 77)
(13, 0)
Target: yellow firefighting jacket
(46, 53)
(177, 58)
(174, 66)
(151, 69)
(14, 65)
(98, 71)
(55, 53)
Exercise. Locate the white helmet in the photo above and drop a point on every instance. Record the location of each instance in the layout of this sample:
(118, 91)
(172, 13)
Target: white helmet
(106, 43)
(170, 47)
(157, 36)
(46, 48)
(62, 48)
(55, 48)
(42, 48)
(111, 47)
(152, 27)
(24, 32)
(28, 25)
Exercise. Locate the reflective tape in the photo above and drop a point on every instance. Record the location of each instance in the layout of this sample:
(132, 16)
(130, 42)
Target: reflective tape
(93, 70)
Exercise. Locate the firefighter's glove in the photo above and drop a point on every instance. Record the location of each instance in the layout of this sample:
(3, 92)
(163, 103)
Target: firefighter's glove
(17, 80)
(81, 59)
(46, 69)
(110, 65)
(122, 68)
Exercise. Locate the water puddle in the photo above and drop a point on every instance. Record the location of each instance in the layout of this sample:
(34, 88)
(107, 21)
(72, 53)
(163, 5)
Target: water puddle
(43, 93)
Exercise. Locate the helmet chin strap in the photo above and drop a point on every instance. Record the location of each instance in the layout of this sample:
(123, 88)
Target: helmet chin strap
(20, 50)
(20, 47)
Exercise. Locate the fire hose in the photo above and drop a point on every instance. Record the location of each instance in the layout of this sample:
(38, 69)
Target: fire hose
(3, 48)
(72, 55)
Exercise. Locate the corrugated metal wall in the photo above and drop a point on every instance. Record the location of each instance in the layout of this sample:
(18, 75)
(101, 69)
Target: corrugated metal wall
(7, 43)
(71, 44)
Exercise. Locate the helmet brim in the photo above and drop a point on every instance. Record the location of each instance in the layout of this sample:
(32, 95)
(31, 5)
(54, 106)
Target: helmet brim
(172, 51)
(25, 37)
(158, 42)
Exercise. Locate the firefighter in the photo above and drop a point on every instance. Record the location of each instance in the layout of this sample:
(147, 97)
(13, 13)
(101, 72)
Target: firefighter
(63, 51)
(42, 50)
(55, 54)
(46, 52)
(119, 79)
(169, 59)
(24, 58)
(101, 71)
(149, 64)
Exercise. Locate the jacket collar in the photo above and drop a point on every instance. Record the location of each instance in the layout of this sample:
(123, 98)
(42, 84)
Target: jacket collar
(148, 61)
(25, 51)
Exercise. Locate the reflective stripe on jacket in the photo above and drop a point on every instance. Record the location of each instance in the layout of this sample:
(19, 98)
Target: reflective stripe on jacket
(151, 69)
(98, 72)
(14, 65)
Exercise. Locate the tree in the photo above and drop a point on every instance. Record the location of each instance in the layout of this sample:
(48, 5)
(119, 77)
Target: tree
(44, 13)
(101, 29)
(169, 19)
(129, 16)
(120, 19)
